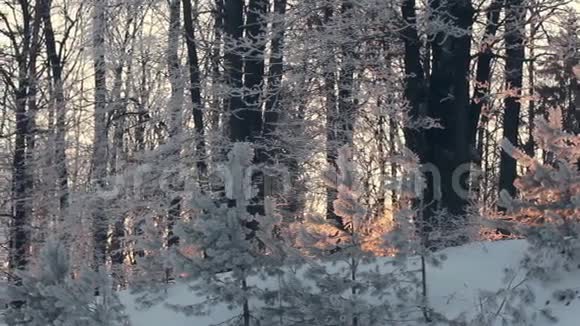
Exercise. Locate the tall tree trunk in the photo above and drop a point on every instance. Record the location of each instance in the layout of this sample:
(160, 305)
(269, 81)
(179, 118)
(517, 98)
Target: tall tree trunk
(346, 105)
(21, 207)
(100, 142)
(514, 43)
(240, 129)
(275, 69)
(245, 122)
(273, 96)
(448, 148)
(118, 118)
(483, 70)
(175, 107)
(22, 182)
(194, 89)
(329, 88)
(414, 92)
(381, 138)
(60, 105)
(482, 85)
(393, 140)
(254, 68)
(142, 118)
(32, 99)
(530, 146)
(414, 77)
(219, 114)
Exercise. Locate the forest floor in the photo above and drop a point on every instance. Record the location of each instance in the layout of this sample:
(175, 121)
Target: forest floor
(454, 288)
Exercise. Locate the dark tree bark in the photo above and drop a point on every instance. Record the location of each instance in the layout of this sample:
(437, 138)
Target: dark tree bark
(254, 68)
(59, 102)
(329, 88)
(23, 86)
(530, 146)
(175, 107)
(100, 142)
(21, 208)
(483, 71)
(142, 118)
(32, 99)
(240, 127)
(246, 122)
(414, 77)
(448, 148)
(21, 175)
(275, 70)
(116, 250)
(219, 110)
(514, 52)
(194, 88)
(415, 88)
(346, 107)
(273, 95)
(477, 122)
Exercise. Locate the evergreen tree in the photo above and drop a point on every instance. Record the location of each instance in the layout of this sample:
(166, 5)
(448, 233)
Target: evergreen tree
(558, 86)
(548, 209)
(346, 283)
(50, 296)
(219, 256)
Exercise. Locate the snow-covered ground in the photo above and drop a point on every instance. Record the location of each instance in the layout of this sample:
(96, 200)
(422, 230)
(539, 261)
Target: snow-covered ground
(454, 288)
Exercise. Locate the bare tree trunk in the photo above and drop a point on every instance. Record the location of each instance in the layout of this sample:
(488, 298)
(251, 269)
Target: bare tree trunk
(329, 89)
(233, 24)
(140, 129)
(245, 121)
(276, 69)
(175, 107)
(118, 118)
(414, 92)
(414, 77)
(393, 135)
(530, 146)
(514, 42)
(33, 78)
(194, 89)
(381, 138)
(448, 148)
(273, 96)
(482, 85)
(346, 105)
(21, 207)
(254, 68)
(219, 114)
(22, 183)
(60, 105)
(100, 142)
(483, 72)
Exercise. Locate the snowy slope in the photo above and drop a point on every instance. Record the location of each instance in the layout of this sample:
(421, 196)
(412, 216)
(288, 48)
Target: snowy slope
(453, 289)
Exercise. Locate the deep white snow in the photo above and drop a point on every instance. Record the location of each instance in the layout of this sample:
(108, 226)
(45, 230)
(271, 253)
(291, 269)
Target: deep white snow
(453, 289)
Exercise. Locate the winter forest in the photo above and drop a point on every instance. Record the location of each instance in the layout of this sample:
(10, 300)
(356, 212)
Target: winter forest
(289, 162)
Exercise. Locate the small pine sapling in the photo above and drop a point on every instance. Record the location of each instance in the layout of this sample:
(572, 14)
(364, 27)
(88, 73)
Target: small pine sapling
(345, 283)
(547, 210)
(49, 295)
(222, 254)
